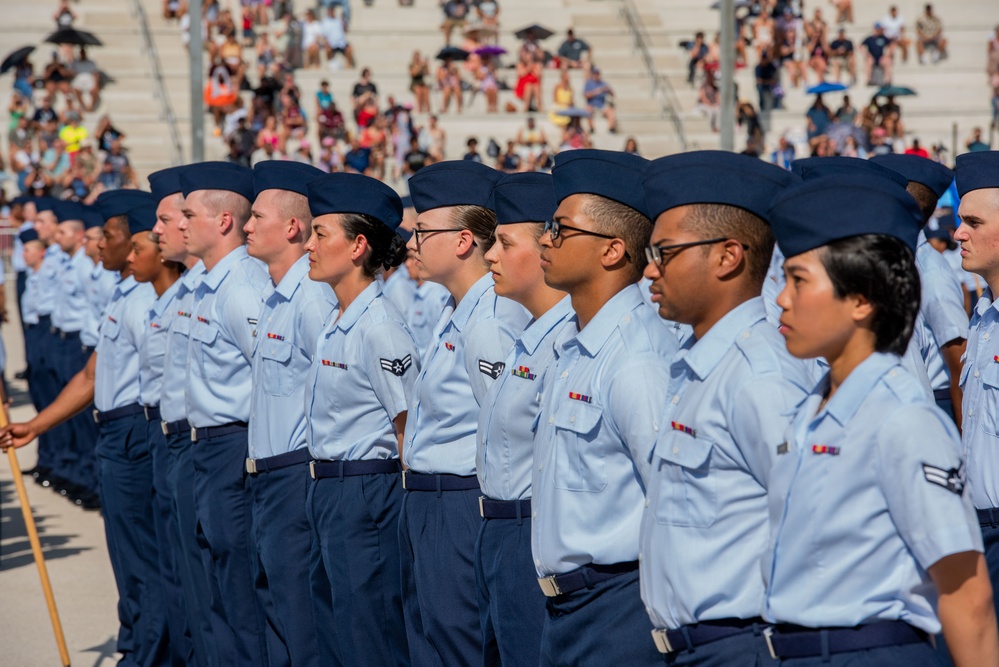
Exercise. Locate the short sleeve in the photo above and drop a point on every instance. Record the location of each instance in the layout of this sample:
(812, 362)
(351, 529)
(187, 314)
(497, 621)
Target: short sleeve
(312, 318)
(758, 419)
(635, 397)
(922, 477)
(486, 345)
(239, 309)
(392, 363)
(943, 304)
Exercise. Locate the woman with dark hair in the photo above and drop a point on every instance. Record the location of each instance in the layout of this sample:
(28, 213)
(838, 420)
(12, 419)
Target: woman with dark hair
(874, 545)
(357, 394)
(440, 514)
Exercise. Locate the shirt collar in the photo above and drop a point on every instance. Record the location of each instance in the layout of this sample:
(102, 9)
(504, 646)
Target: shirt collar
(214, 277)
(593, 336)
(349, 317)
(985, 302)
(296, 274)
(921, 239)
(164, 300)
(537, 330)
(464, 309)
(858, 386)
(127, 285)
(53, 250)
(704, 354)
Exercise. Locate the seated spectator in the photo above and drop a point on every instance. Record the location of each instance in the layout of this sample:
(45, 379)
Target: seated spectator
(45, 118)
(419, 71)
(574, 138)
(562, 98)
(487, 15)
(509, 161)
(819, 117)
(746, 116)
(878, 54)
(231, 53)
(73, 133)
(415, 158)
(54, 159)
(852, 149)
(106, 133)
(975, 143)
(917, 150)
(473, 150)
(784, 154)
(709, 101)
(449, 84)
(335, 37)
(530, 140)
(894, 26)
(292, 118)
(929, 35)
(330, 157)
(375, 138)
(312, 37)
(109, 179)
(599, 98)
(64, 15)
(21, 135)
(889, 107)
(788, 52)
(455, 16)
(487, 84)
(631, 146)
(266, 53)
(266, 151)
(173, 9)
(574, 53)
(24, 78)
(86, 82)
(57, 77)
(433, 139)
(697, 52)
(344, 5)
(844, 10)
(846, 112)
(331, 123)
(818, 53)
(880, 143)
(841, 57)
(364, 91)
(712, 60)
(357, 159)
(768, 84)
(244, 139)
(324, 98)
(288, 40)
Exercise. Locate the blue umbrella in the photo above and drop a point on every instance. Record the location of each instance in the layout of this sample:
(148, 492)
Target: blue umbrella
(573, 112)
(825, 87)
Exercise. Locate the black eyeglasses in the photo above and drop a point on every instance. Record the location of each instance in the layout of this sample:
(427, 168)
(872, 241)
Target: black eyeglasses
(661, 254)
(554, 228)
(418, 231)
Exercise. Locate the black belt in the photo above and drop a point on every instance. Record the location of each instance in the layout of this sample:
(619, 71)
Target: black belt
(418, 481)
(118, 413)
(328, 469)
(989, 517)
(583, 577)
(152, 413)
(66, 335)
(788, 641)
(705, 632)
(941, 394)
(169, 428)
(278, 461)
(504, 509)
(217, 431)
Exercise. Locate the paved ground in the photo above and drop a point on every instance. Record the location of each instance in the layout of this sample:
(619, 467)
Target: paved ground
(75, 554)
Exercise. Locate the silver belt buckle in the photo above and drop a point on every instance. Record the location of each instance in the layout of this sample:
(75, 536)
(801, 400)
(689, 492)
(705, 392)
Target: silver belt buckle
(768, 634)
(163, 427)
(251, 466)
(662, 641)
(97, 415)
(404, 479)
(194, 434)
(312, 469)
(549, 586)
(482, 510)
(145, 411)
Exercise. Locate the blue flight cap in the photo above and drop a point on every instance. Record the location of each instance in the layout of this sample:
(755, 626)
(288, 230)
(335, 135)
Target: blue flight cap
(20, 200)
(117, 202)
(217, 176)
(525, 197)
(821, 210)
(932, 174)
(28, 235)
(165, 182)
(609, 174)
(695, 178)
(355, 193)
(938, 233)
(44, 203)
(976, 171)
(407, 202)
(67, 210)
(92, 217)
(287, 175)
(452, 183)
(142, 218)
(404, 234)
(816, 167)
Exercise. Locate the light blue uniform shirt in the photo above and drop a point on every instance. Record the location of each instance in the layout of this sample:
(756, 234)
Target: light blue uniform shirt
(869, 494)
(980, 382)
(116, 381)
(420, 304)
(284, 345)
(98, 289)
(173, 403)
(219, 378)
(71, 311)
(600, 409)
(17, 258)
(505, 454)
(29, 300)
(152, 351)
(942, 307)
(49, 279)
(728, 407)
(469, 349)
(360, 380)
(398, 288)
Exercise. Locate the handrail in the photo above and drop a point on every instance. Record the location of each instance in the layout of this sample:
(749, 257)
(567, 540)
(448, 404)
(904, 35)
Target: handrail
(159, 89)
(661, 87)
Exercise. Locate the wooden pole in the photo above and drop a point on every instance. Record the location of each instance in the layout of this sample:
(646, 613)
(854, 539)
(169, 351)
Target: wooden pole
(36, 546)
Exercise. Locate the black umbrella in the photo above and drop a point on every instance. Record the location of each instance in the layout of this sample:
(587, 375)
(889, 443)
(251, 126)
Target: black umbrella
(452, 53)
(539, 32)
(74, 36)
(16, 58)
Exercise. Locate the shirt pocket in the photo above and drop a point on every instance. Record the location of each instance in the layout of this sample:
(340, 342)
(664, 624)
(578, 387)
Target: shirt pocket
(687, 490)
(275, 358)
(580, 457)
(989, 404)
(205, 334)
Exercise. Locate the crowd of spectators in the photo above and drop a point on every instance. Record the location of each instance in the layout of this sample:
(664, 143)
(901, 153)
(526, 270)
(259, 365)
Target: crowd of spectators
(49, 149)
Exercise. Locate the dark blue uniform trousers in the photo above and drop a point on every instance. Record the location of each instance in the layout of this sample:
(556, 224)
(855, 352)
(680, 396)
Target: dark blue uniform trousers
(355, 567)
(168, 543)
(511, 604)
(910, 655)
(747, 649)
(283, 544)
(194, 579)
(45, 388)
(81, 462)
(599, 626)
(126, 500)
(437, 533)
(223, 509)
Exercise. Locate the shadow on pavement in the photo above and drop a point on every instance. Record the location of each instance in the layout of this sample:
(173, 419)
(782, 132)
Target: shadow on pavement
(105, 651)
(15, 549)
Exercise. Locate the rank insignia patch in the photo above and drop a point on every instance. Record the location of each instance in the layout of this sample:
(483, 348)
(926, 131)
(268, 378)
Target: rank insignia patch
(580, 397)
(952, 479)
(397, 366)
(493, 370)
